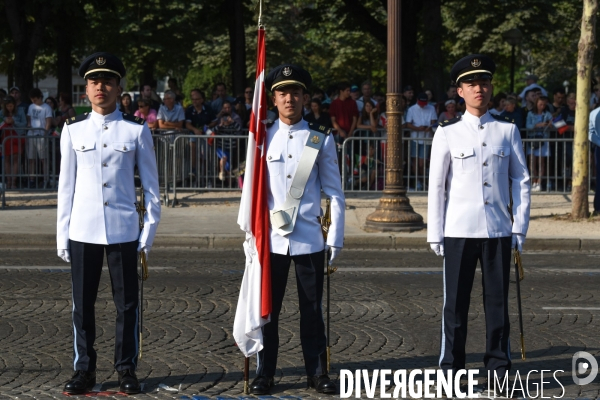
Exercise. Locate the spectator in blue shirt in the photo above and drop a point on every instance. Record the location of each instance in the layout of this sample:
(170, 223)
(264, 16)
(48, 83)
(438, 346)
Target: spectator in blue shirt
(170, 115)
(221, 92)
(594, 136)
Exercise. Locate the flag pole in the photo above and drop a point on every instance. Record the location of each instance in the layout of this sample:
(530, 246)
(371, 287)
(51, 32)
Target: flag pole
(247, 359)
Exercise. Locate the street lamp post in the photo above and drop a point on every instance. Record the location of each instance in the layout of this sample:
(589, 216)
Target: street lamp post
(512, 37)
(394, 212)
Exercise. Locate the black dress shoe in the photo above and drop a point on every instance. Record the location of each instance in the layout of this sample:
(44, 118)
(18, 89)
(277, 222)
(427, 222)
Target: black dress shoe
(261, 385)
(81, 382)
(322, 384)
(128, 382)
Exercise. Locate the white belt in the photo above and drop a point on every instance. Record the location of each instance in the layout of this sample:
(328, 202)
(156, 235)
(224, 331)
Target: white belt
(284, 218)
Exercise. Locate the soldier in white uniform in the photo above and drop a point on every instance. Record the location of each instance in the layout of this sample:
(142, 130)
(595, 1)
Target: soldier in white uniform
(97, 214)
(287, 139)
(476, 160)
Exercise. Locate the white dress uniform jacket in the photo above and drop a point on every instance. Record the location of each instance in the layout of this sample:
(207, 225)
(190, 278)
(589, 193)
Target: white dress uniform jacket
(285, 144)
(96, 192)
(472, 162)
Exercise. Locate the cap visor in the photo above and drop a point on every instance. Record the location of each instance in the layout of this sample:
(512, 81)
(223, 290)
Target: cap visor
(282, 84)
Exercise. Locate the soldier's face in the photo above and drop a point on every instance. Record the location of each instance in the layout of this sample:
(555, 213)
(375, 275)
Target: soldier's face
(288, 101)
(102, 92)
(477, 93)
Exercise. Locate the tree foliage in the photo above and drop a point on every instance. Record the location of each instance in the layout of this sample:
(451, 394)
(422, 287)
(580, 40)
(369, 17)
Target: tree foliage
(336, 39)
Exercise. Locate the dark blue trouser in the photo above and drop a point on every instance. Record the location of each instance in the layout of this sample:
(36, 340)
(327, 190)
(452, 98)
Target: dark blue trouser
(460, 262)
(86, 269)
(309, 280)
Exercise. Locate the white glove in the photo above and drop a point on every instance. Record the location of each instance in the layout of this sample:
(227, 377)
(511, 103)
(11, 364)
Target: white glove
(335, 251)
(438, 248)
(64, 254)
(518, 240)
(145, 248)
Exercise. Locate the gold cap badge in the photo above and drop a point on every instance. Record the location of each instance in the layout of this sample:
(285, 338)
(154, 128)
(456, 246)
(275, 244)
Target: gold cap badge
(315, 139)
(100, 60)
(475, 63)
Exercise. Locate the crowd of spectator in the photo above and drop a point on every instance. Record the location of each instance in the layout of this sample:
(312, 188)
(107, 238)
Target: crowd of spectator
(350, 110)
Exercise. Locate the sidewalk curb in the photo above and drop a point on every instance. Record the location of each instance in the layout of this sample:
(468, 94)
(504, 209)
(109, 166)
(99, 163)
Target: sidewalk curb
(352, 242)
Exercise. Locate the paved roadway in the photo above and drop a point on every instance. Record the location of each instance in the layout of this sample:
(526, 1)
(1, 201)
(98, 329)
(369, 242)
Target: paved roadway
(385, 314)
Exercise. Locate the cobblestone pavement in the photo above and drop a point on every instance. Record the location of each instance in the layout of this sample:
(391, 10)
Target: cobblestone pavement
(385, 314)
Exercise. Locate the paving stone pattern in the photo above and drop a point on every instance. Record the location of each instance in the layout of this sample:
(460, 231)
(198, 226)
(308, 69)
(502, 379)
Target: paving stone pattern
(386, 313)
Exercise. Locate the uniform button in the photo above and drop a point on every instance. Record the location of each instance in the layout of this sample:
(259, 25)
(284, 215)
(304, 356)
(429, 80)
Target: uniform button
(291, 137)
(82, 147)
(289, 156)
(485, 164)
(462, 154)
(480, 126)
(484, 144)
(105, 185)
(501, 153)
(105, 127)
(289, 176)
(269, 157)
(104, 144)
(486, 202)
(124, 148)
(106, 203)
(485, 184)
(105, 165)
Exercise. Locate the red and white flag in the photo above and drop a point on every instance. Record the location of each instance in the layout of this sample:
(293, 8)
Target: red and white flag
(254, 304)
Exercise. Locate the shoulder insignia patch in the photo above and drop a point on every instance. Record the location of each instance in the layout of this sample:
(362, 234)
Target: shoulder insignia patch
(503, 119)
(319, 128)
(131, 118)
(449, 121)
(78, 118)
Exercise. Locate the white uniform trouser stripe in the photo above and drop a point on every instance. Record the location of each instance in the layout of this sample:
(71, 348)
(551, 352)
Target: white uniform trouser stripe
(74, 333)
(136, 335)
(443, 346)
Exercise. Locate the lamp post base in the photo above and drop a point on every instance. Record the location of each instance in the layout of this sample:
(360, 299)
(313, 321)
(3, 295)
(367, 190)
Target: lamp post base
(394, 214)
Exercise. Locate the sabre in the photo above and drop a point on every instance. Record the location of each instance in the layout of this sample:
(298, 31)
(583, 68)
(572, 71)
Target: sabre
(325, 222)
(143, 268)
(519, 275)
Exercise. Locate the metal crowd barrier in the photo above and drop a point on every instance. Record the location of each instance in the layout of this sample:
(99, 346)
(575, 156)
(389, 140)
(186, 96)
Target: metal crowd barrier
(30, 160)
(209, 162)
(164, 140)
(362, 173)
(195, 163)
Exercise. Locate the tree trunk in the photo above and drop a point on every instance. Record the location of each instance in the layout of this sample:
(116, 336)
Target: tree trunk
(27, 39)
(587, 44)
(432, 57)
(237, 46)
(63, 54)
(148, 74)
